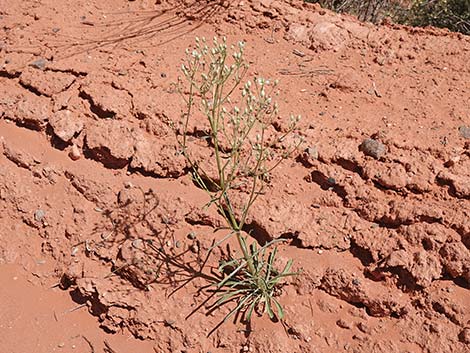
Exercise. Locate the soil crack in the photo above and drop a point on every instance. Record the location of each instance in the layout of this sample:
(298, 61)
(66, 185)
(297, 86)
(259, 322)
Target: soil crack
(95, 108)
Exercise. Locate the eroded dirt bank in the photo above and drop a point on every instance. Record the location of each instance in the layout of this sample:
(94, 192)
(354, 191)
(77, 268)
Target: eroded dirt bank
(375, 208)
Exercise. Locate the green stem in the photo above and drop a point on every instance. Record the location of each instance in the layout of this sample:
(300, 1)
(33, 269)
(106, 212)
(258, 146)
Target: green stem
(214, 123)
(246, 255)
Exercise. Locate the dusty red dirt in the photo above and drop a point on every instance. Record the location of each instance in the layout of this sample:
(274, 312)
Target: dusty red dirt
(94, 198)
(49, 313)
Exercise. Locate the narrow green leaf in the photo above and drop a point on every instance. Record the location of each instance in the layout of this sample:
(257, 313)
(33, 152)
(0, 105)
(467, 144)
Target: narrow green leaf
(238, 307)
(252, 308)
(280, 311)
(268, 307)
(233, 273)
(288, 266)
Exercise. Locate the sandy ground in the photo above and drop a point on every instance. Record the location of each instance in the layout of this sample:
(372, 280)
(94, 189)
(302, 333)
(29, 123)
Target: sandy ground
(41, 319)
(101, 225)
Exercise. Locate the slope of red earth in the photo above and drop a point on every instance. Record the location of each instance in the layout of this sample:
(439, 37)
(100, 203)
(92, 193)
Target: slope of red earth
(95, 199)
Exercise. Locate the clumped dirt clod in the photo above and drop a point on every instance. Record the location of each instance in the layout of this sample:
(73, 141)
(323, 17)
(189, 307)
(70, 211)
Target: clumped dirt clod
(94, 193)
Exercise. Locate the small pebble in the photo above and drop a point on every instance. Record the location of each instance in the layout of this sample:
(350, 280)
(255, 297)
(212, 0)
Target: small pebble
(331, 181)
(170, 322)
(464, 335)
(364, 328)
(192, 236)
(39, 215)
(343, 324)
(74, 153)
(138, 243)
(39, 64)
(312, 152)
(465, 132)
(373, 148)
(452, 161)
(298, 53)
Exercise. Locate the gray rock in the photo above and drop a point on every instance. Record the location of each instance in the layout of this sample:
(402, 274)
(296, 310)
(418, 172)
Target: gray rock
(39, 215)
(312, 152)
(465, 132)
(373, 148)
(39, 64)
(138, 244)
(309, 156)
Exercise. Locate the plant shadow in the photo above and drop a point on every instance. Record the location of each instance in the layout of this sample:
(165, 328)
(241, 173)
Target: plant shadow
(132, 28)
(138, 231)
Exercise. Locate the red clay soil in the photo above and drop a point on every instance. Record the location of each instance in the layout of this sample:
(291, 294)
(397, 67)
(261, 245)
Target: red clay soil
(98, 212)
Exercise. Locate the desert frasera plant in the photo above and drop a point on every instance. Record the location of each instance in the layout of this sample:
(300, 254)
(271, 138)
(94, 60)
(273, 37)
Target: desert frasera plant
(239, 117)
